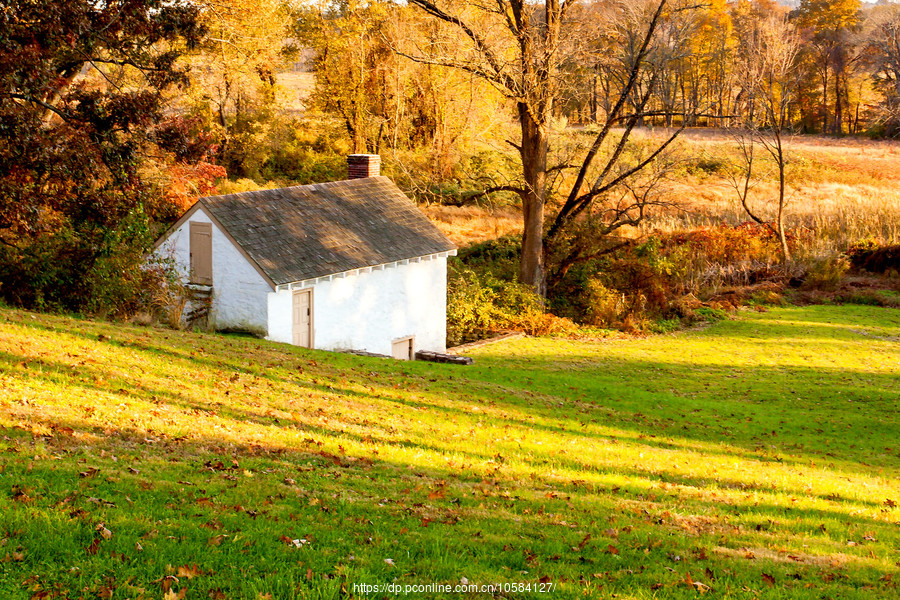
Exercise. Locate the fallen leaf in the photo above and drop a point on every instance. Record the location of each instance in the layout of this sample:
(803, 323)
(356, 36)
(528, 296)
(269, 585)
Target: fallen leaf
(770, 580)
(216, 540)
(95, 545)
(612, 549)
(697, 585)
(582, 543)
(189, 571)
(166, 583)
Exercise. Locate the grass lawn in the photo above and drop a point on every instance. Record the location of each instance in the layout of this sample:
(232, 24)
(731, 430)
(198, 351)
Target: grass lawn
(757, 458)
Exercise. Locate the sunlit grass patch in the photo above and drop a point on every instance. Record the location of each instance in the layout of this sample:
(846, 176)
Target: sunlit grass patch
(755, 458)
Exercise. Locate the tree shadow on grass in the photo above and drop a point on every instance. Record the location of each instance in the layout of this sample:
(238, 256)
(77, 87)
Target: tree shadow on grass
(545, 404)
(528, 409)
(526, 523)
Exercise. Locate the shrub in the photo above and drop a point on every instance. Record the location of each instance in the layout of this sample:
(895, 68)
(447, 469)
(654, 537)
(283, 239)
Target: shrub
(481, 304)
(96, 271)
(168, 294)
(605, 307)
(541, 323)
(872, 257)
(470, 306)
(825, 272)
(500, 257)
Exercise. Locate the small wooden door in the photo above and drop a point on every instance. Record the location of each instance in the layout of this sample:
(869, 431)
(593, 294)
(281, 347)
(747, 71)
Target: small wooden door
(201, 253)
(402, 349)
(302, 311)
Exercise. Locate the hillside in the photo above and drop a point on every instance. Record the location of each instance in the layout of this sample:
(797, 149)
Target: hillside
(757, 457)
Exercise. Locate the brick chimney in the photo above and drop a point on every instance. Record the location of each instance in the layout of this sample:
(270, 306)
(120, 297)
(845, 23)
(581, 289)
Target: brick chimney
(363, 165)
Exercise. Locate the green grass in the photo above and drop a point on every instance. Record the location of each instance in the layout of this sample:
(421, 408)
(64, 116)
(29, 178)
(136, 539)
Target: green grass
(758, 457)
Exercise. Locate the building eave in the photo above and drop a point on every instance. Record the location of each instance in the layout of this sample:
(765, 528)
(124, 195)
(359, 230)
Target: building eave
(312, 281)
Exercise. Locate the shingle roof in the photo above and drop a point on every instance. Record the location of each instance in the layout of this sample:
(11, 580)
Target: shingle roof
(307, 231)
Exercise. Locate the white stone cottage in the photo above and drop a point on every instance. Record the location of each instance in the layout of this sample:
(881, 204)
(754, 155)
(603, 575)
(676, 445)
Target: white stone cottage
(348, 265)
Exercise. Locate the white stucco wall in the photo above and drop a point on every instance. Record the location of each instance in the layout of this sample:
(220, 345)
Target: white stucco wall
(370, 310)
(239, 292)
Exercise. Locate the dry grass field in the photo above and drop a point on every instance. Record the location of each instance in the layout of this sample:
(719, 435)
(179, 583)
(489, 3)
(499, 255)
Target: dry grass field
(467, 225)
(842, 189)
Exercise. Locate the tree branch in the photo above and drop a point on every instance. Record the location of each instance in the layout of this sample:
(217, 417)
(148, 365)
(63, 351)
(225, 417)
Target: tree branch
(62, 114)
(480, 44)
(613, 116)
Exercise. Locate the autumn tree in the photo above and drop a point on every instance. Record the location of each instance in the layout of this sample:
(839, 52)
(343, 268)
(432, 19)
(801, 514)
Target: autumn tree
(516, 47)
(233, 77)
(828, 25)
(883, 52)
(81, 94)
(711, 59)
(351, 64)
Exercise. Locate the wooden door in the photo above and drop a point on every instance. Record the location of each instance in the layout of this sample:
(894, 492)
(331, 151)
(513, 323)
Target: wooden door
(302, 311)
(402, 349)
(201, 253)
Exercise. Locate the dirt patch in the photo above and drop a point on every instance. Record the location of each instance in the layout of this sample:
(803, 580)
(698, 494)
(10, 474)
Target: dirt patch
(830, 561)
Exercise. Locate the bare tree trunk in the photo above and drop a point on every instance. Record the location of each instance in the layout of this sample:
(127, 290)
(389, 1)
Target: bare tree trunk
(779, 220)
(825, 99)
(534, 165)
(838, 104)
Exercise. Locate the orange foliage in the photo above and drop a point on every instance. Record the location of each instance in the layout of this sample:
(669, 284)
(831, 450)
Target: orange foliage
(187, 182)
(727, 244)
